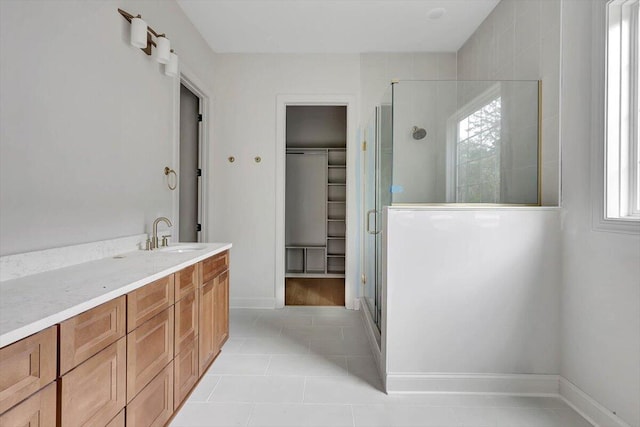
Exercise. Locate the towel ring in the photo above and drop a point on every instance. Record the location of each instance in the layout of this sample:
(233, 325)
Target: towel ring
(167, 172)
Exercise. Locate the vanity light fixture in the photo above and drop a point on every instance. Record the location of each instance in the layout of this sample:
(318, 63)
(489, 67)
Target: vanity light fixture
(163, 50)
(142, 36)
(171, 67)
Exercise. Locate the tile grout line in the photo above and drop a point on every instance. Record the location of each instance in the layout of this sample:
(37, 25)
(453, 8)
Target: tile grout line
(253, 407)
(353, 416)
(268, 366)
(304, 389)
(214, 389)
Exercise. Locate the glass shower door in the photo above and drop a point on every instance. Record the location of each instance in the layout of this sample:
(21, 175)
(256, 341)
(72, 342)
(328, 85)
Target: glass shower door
(369, 261)
(378, 161)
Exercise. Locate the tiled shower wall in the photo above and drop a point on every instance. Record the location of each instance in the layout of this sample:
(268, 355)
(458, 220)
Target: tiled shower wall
(520, 40)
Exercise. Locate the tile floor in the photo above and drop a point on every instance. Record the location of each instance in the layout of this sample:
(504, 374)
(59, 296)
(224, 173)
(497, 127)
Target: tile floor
(312, 366)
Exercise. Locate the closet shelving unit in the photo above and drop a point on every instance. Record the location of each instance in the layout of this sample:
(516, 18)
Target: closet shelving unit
(326, 260)
(336, 210)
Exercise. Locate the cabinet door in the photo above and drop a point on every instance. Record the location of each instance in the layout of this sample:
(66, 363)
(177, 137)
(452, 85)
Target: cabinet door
(149, 300)
(186, 329)
(186, 372)
(186, 281)
(207, 344)
(149, 349)
(86, 334)
(118, 421)
(94, 392)
(222, 309)
(37, 411)
(154, 405)
(213, 266)
(27, 366)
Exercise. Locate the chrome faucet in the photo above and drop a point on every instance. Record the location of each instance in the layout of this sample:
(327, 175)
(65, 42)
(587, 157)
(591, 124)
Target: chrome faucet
(154, 238)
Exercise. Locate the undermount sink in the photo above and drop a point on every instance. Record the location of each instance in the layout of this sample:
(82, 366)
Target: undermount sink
(181, 248)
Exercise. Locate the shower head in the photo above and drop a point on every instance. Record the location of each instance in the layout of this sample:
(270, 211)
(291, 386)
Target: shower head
(418, 133)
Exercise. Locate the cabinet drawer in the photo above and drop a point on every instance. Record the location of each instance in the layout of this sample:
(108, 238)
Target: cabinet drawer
(27, 366)
(118, 421)
(86, 334)
(93, 393)
(186, 281)
(37, 411)
(154, 405)
(186, 369)
(149, 349)
(211, 267)
(146, 302)
(186, 313)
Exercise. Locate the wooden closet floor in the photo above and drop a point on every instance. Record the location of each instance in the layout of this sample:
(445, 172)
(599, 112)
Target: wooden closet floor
(302, 291)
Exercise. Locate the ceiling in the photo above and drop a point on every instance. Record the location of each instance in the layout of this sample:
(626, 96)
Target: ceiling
(336, 26)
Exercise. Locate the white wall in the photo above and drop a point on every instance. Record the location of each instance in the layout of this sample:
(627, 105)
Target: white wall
(520, 40)
(377, 70)
(470, 291)
(601, 270)
(244, 192)
(86, 121)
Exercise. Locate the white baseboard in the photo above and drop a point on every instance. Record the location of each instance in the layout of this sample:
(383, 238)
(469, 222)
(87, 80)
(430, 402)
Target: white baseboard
(527, 384)
(588, 407)
(252, 302)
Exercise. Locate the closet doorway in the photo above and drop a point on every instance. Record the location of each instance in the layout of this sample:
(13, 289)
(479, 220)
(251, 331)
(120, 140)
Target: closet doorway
(315, 204)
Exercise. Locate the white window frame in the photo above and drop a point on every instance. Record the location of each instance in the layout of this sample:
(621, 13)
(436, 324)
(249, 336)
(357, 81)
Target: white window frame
(621, 114)
(615, 139)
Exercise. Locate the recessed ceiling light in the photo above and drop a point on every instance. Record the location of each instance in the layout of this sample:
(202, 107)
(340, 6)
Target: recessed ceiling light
(436, 13)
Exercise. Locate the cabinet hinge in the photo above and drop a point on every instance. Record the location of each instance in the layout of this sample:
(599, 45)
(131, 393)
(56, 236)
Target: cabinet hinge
(198, 172)
(363, 278)
(199, 227)
(364, 146)
(199, 117)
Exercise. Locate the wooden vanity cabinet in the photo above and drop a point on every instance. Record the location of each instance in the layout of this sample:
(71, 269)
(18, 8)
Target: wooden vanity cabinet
(214, 266)
(27, 366)
(149, 350)
(132, 360)
(207, 345)
(222, 309)
(86, 334)
(186, 328)
(187, 280)
(186, 372)
(149, 300)
(38, 410)
(214, 309)
(94, 392)
(153, 406)
(186, 367)
(118, 421)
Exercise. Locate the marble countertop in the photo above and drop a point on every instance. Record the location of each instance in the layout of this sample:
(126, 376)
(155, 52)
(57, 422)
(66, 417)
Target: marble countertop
(32, 303)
